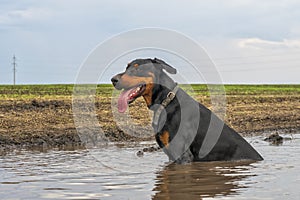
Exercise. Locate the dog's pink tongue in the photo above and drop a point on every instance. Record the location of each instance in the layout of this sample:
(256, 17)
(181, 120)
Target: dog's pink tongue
(123, 101)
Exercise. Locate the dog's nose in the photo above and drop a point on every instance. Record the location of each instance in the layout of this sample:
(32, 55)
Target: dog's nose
(115, 80)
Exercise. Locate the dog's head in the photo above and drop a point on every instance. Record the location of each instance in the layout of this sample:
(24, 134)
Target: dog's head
(139, 79)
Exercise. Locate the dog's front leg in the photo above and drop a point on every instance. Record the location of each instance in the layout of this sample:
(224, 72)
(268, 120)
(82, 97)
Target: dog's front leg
(186, 157)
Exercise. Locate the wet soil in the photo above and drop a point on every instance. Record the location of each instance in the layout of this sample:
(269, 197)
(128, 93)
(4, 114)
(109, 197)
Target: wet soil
(49, 121)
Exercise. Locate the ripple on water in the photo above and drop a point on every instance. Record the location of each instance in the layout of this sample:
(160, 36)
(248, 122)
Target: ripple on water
(117, 172)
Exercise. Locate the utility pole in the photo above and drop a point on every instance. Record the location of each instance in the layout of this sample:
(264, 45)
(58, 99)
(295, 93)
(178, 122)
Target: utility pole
(14, 68)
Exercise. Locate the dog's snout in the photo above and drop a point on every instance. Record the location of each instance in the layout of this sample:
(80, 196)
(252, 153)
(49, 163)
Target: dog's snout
(114, 80)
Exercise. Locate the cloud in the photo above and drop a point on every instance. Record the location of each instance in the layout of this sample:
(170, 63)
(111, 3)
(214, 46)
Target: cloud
(258, 43)
(24, 15)
(55, 30)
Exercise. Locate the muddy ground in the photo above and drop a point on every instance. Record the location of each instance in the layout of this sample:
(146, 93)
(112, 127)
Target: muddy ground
(49, 121)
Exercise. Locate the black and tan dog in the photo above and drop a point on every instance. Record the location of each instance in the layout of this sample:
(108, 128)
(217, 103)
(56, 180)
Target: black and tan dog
(181, 124)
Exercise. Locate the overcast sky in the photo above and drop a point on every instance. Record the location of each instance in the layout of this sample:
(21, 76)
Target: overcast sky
(250, 41)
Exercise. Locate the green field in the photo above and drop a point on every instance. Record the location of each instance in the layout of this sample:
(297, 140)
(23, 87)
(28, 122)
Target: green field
(66, 90)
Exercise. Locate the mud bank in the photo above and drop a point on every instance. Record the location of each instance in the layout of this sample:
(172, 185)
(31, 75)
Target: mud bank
(49, 121)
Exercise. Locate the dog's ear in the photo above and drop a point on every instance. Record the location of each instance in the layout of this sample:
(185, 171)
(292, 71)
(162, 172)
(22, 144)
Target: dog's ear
(165, 66)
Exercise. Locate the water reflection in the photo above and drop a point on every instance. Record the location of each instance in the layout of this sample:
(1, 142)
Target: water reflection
(199, 180)
(75, 173)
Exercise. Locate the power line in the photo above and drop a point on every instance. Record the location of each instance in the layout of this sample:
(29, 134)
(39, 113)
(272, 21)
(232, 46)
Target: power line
(14, 68)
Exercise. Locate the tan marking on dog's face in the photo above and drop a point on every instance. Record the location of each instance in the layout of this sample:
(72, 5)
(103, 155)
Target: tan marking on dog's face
(136, 65)
(164, 138)
(132, 81)
(148, 93)
(149, 89)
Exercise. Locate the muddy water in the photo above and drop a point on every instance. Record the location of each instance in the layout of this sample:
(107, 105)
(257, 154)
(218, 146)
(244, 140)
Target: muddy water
(116, 172)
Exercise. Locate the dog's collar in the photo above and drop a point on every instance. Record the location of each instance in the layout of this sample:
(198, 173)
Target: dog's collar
(171, 95)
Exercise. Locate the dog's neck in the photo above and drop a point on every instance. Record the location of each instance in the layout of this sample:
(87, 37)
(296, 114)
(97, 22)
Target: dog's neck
(160, 90)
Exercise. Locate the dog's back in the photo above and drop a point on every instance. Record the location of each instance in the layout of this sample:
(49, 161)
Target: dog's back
(226, 145)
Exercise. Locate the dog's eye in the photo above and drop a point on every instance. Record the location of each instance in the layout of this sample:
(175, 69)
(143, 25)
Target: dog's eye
(131, 70)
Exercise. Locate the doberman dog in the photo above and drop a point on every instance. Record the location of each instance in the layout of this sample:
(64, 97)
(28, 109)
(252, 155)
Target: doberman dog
(181, 124)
